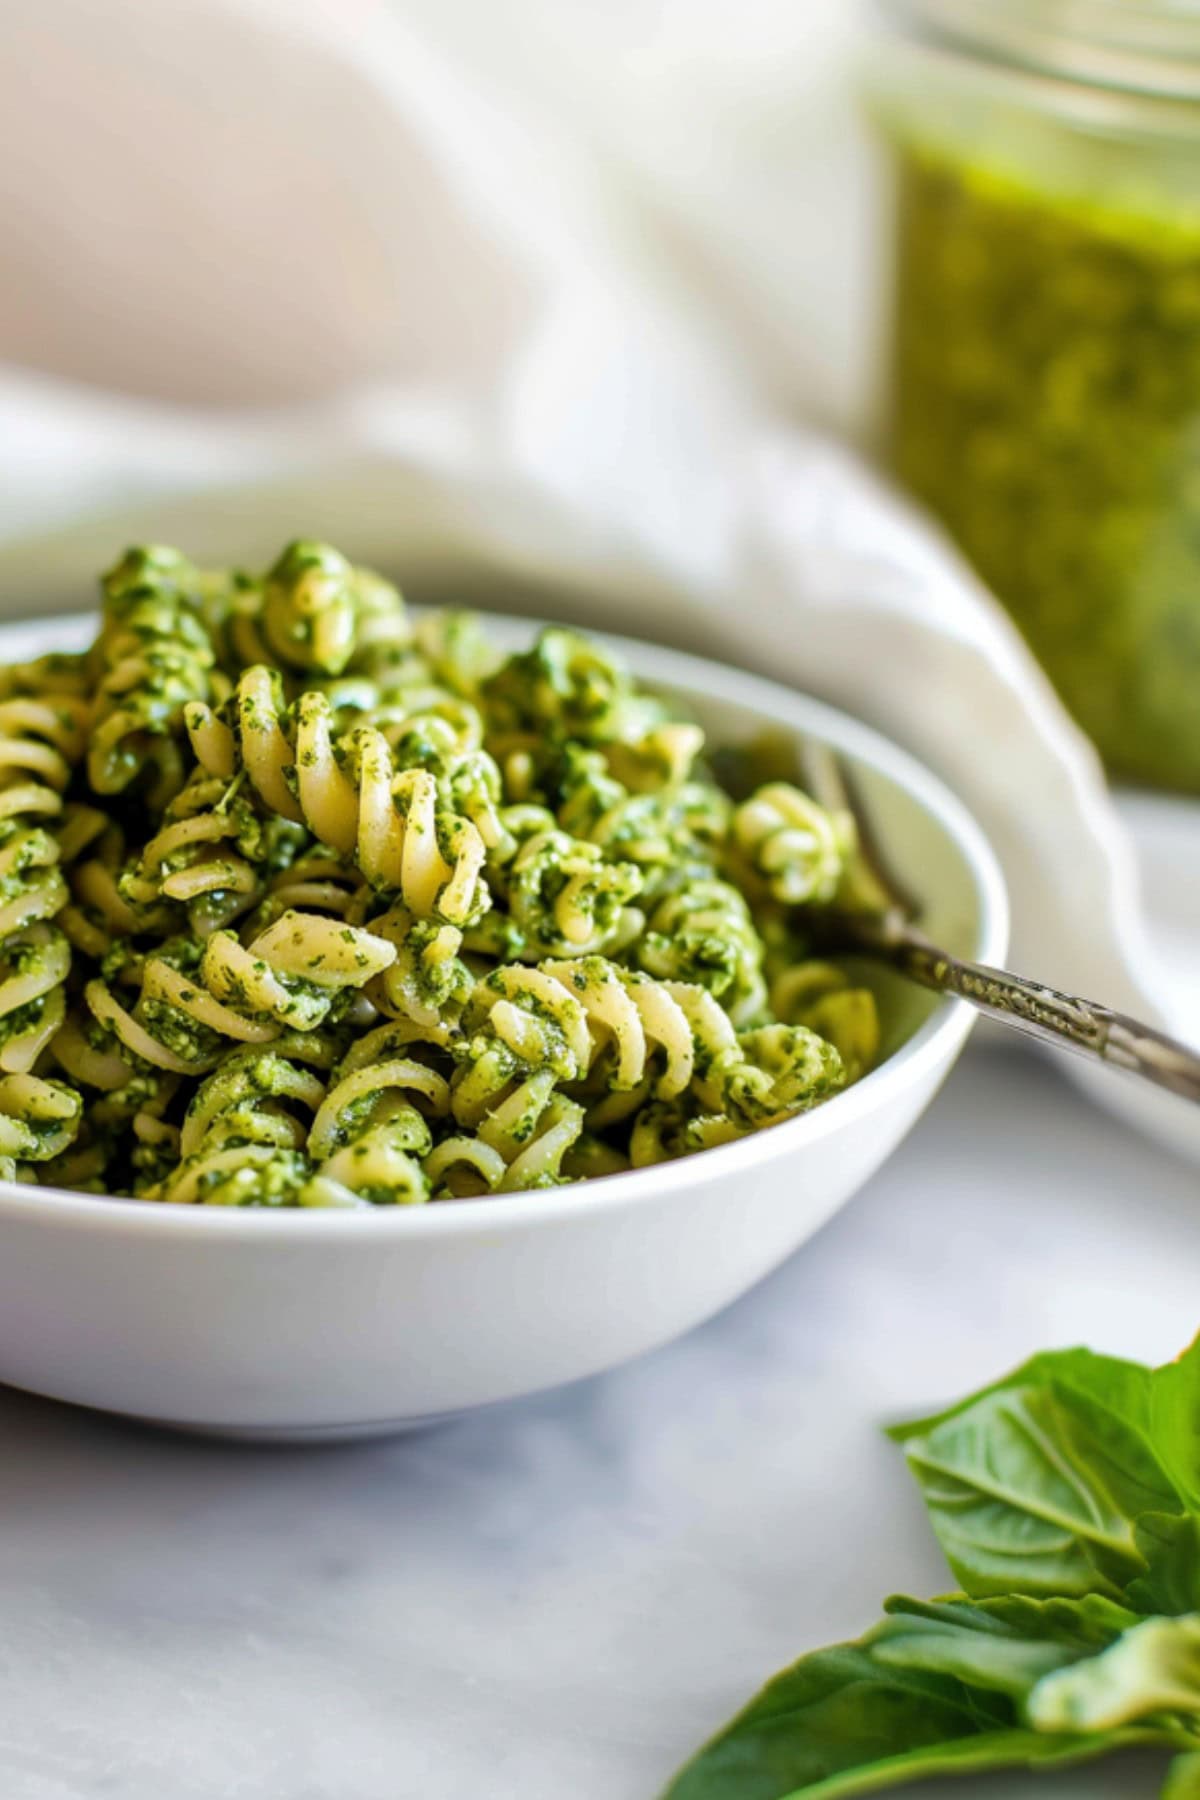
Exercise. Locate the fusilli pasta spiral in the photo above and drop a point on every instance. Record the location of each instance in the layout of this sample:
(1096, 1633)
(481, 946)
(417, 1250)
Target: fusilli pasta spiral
(152, 657)
(794, 847)
(372, 1133)
(346, 789)
(42, 738)
(242, 1138)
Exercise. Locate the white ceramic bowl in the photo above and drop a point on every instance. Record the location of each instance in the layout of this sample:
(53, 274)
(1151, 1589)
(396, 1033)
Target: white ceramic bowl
(299, 1324)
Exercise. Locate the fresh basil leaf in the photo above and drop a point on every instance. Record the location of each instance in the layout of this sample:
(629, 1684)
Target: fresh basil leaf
(1170, 1547)
(1162, 1405)
(1183, 1778)
(1067, 1499)
(1005, 1645)
(1035, 1489)
(1016, 1749)
(835, 1711)
(845, 1721)
(1151, 1671)
(1175, 1421)
(1122, 1387)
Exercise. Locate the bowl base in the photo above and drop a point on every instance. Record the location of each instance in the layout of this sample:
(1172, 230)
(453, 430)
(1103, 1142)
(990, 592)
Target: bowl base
(357, 1430)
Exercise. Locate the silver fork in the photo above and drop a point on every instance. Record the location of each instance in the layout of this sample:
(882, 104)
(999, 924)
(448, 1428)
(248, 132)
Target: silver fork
(880, 924)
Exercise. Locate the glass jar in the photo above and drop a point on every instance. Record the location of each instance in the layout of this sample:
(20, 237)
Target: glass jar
(1045, 362)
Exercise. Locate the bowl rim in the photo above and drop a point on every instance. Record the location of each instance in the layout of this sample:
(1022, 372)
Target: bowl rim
(934, 1042)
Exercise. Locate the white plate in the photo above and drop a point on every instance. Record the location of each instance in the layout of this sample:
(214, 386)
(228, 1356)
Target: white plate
(308, 1324)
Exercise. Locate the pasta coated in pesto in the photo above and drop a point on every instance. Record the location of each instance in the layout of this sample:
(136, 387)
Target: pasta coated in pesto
(306, 903)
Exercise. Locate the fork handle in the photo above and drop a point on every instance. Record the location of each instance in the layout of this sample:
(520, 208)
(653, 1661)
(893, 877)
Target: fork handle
(1041, 1012)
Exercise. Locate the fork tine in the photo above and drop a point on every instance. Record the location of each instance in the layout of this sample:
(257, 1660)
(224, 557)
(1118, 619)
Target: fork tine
(832, 781)
(824, 775)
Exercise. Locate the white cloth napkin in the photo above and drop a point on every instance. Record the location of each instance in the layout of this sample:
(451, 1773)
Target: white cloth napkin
(473, 336)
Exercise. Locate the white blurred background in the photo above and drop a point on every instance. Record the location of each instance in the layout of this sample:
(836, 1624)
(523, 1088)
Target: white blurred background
(236, 203)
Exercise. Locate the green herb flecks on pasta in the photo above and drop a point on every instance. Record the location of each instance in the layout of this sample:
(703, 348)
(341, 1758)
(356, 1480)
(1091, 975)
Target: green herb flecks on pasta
(153, 655)
(306, 904)
(44, 715)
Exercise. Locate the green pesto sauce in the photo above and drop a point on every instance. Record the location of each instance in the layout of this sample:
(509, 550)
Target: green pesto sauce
(182, 1035)
(1046, 403)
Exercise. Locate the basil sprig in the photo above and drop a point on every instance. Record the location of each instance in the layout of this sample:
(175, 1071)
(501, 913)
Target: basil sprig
(1066, 1498)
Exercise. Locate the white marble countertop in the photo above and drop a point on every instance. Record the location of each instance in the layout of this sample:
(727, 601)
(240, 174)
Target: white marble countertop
(557, 1600)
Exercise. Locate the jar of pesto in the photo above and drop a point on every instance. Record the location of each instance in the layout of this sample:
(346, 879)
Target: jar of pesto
(1045, 364)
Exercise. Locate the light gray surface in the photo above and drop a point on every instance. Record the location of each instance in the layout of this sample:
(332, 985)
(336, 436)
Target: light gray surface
(555, 1601)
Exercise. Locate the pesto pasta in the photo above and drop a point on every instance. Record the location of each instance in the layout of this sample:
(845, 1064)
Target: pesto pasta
(307, 902)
